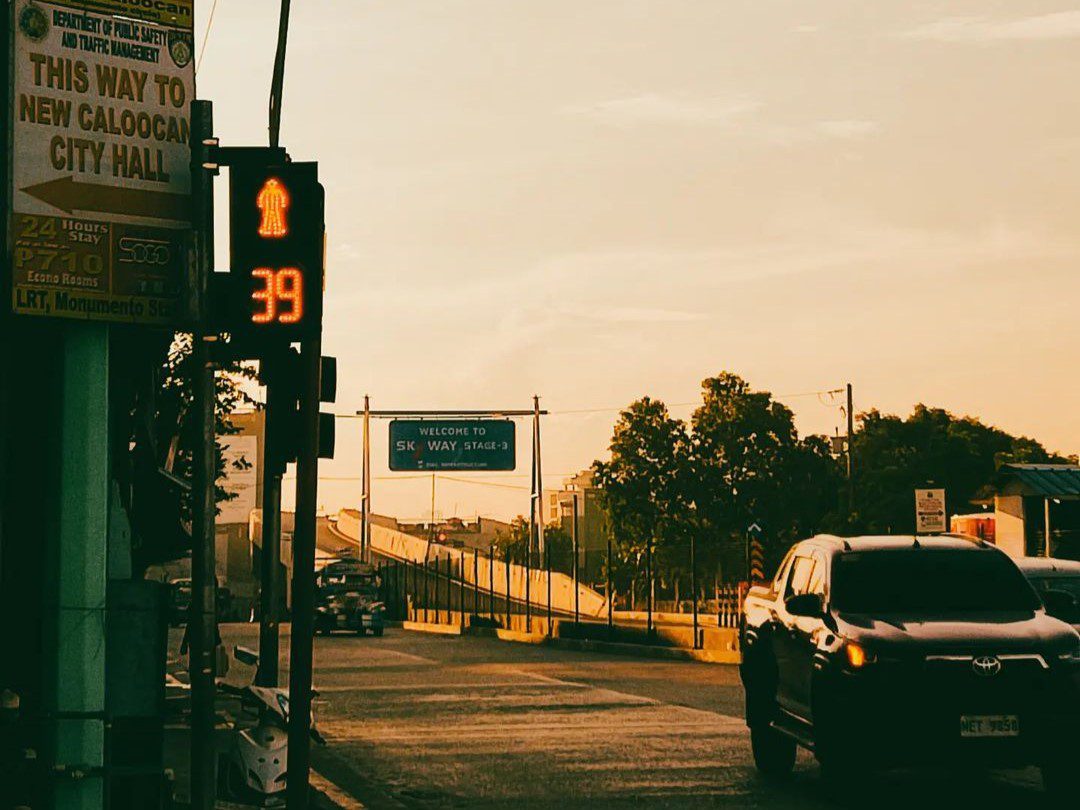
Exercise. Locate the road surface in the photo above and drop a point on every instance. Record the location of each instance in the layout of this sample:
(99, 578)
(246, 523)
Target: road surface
(418, 721)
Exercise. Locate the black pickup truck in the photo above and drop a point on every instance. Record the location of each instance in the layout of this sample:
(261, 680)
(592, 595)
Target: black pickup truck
(879, 652)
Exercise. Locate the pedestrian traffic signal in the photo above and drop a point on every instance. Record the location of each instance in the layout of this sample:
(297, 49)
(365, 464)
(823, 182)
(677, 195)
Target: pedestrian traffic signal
(276, 228)
(273, 202)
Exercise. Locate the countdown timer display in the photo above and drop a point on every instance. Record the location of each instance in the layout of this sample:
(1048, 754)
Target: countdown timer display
(277, 230)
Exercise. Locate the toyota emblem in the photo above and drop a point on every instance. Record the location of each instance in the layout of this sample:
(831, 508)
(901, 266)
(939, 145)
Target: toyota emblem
(986, 665)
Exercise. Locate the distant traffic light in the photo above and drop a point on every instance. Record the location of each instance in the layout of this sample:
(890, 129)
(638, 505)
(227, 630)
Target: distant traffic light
(276, 229)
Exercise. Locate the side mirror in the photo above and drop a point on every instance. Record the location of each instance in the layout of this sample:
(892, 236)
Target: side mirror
(1061, 604)
(808, 605)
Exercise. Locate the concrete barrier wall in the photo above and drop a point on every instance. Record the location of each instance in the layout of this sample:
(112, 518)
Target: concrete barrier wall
(718, 644)
(483, 574)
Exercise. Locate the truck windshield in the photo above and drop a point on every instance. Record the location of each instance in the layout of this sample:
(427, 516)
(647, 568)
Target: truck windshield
(929, 581)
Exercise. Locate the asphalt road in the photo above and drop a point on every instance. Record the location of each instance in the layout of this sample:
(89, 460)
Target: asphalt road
(419, 721)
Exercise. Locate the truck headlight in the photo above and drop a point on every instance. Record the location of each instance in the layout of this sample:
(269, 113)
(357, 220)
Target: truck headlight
(856, 656)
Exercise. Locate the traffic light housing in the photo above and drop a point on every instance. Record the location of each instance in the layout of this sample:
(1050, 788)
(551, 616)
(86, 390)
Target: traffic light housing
(276, 236)
(282, 373)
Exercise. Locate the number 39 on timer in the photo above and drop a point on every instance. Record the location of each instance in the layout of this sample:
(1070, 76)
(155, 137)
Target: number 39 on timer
(277, 296)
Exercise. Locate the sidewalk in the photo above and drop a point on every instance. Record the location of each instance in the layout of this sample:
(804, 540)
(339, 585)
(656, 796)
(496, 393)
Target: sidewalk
(177, 759)
(177, 754)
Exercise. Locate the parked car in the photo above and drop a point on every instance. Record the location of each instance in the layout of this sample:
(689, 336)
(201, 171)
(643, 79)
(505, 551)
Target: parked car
(891, 651)
(1058, 583)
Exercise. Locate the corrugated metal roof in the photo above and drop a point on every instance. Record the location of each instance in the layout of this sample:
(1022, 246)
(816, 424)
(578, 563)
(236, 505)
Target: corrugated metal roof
(1050, 480)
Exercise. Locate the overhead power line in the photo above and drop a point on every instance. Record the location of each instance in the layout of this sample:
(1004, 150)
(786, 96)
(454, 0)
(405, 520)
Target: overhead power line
(206, 36)
(820, 394)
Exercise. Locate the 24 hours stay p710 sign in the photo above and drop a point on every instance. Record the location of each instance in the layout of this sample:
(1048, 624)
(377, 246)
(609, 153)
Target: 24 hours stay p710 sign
(100, 218)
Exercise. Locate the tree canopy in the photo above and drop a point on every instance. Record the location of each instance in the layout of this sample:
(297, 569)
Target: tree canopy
(894, 456)
(740, 460)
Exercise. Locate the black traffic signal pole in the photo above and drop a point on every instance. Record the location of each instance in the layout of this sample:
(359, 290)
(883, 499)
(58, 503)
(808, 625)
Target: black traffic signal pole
(574, 538)
(202, 619)
(607, 576)
(270, 590)
(277, 80)
(694, 584)
(303, 581)
(649, 585)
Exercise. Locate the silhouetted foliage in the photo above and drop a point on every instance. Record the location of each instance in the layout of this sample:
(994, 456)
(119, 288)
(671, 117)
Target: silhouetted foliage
(893, 456)
(741, 461)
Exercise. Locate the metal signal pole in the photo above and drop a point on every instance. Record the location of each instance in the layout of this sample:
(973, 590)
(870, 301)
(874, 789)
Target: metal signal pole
(278, 80)
(365, 500)
(694, 583)
(270, 592)
(850, 452)
(539, 476)
(202, 621)
(574, 538)
(607, 576)
(303, 587)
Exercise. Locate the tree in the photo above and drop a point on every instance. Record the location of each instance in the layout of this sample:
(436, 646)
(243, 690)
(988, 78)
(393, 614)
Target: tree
(516, 545)
(742, 462)
(894, 456)
(750, 466)
(176, 404)
(644, 488)
(153, 468)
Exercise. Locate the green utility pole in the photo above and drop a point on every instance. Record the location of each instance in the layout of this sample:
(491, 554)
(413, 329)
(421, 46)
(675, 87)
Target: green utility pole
(78, 672)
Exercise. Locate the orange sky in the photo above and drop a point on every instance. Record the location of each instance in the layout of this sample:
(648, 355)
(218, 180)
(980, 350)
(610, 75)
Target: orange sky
(597, 199)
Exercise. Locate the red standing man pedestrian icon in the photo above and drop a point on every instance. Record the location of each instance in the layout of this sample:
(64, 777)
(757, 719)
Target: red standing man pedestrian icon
(273, 202)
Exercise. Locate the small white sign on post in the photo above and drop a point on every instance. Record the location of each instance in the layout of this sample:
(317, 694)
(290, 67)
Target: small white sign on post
(930, 511)
(241, 456)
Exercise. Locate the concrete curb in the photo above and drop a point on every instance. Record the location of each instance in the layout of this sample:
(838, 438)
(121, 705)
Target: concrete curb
(582, 645)
(516, 636)
(431, 627)
(330, 796)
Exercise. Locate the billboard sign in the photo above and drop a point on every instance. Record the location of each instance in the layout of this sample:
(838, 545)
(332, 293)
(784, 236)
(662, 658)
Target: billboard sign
(930, 511)
(100, 158)
(451, 444)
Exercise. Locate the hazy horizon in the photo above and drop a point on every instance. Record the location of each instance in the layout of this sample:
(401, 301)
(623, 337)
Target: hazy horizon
(596, 201)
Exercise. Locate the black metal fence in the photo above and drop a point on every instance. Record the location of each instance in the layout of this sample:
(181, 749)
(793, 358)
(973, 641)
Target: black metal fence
(453, 588)
(438, 592)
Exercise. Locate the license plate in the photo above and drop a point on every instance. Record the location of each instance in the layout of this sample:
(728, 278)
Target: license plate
(989, 725)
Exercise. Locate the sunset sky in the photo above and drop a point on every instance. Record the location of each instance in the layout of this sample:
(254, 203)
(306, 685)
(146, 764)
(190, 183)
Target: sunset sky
(592, 200)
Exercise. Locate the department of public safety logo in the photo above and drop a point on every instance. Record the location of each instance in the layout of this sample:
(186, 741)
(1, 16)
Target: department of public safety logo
(181, 47)
(33, 22)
